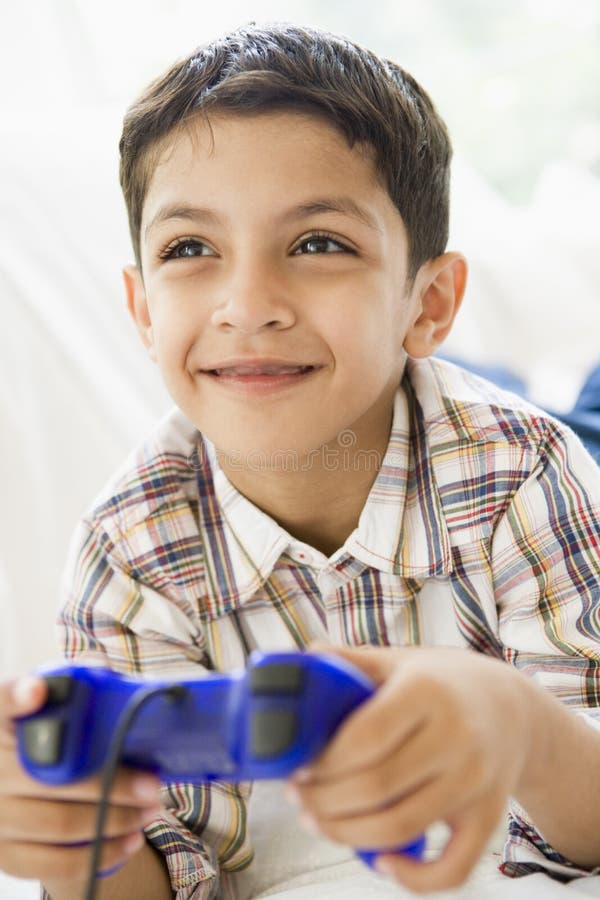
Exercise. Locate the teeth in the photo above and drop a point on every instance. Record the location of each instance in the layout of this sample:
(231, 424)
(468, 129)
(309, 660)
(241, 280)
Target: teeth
(262, 370)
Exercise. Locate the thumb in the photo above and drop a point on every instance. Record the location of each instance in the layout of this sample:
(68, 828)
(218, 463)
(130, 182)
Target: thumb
(22, 696)
(375, 662)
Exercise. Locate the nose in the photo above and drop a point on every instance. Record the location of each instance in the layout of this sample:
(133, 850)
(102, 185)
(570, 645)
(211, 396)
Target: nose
(253, 300)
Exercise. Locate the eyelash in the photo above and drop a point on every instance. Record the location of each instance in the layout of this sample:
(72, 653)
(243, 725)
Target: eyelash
(168, 253)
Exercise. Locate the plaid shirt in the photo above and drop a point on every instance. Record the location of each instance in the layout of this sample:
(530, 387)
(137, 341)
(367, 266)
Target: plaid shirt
(481, 530)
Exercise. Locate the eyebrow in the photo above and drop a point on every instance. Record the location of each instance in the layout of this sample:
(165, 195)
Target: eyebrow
(344, 205)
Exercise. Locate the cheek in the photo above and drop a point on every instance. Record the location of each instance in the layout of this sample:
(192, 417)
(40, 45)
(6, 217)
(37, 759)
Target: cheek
(370, 336)
(175, 327)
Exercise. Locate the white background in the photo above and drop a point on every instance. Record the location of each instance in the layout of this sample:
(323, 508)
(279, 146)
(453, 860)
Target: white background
(518, 85)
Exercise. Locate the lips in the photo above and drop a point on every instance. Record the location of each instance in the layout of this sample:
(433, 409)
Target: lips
(258, 377)
(240, 371)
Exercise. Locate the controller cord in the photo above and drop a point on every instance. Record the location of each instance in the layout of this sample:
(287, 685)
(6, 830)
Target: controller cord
(124, 722)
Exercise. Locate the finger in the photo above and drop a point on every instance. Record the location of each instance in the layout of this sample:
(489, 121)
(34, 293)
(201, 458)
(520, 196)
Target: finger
(131, 787)
(420, 759)
(438, 799)
(397, 823)
(25, 695)
(471, 832)
(373, 731)
(21, 697)
(55, 862)
(66, 822)
(427, 756)
(375, 662)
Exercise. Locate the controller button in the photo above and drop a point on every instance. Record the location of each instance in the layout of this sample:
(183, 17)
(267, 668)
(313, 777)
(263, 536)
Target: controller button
(43, 740)
(273, 732)
(60, 688)
(277, 678)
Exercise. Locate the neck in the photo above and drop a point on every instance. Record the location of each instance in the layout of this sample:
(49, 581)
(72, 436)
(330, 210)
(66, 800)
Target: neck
(320, 512)
(319, 499)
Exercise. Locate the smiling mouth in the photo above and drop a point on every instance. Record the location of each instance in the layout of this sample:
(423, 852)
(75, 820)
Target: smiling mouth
(260, 379)
(258, 371)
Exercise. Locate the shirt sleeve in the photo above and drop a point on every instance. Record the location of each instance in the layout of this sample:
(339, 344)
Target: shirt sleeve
(111, 617)
(546, 562)
(197, 835)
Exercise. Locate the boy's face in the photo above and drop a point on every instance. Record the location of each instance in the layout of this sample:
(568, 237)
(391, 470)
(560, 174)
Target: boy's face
(270, 336)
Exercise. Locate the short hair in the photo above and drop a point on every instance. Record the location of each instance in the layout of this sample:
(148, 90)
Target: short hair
(284, 66)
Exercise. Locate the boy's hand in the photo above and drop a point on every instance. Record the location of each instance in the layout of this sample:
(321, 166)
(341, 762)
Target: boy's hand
(445, 738)
(45, 831)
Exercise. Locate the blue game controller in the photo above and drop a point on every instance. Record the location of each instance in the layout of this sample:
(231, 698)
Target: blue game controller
(256, 723)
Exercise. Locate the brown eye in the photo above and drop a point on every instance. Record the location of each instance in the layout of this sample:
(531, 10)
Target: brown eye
(186, 249)
(316, 245)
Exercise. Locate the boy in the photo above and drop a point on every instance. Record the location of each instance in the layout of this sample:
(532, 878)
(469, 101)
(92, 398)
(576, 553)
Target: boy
(324, 479)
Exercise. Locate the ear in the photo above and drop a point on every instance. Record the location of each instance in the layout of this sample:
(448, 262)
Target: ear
(137, 304)
(438, 291)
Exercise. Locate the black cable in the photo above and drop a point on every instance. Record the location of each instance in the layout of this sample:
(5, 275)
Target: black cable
(141, 696)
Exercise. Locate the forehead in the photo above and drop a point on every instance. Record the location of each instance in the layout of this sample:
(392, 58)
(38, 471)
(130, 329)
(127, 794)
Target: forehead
(261, 159)
(295, 133)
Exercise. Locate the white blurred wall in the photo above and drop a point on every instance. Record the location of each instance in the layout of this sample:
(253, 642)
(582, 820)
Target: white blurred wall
(76, 389)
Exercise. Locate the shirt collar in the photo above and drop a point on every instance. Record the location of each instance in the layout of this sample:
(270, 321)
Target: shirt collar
(402, 529)
(253, 540)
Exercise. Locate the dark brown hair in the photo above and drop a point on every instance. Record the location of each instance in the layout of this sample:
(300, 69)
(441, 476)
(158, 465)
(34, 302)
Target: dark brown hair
(285, 66)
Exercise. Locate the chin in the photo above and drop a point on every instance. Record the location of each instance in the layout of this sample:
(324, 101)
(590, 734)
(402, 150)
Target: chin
(263, 455)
